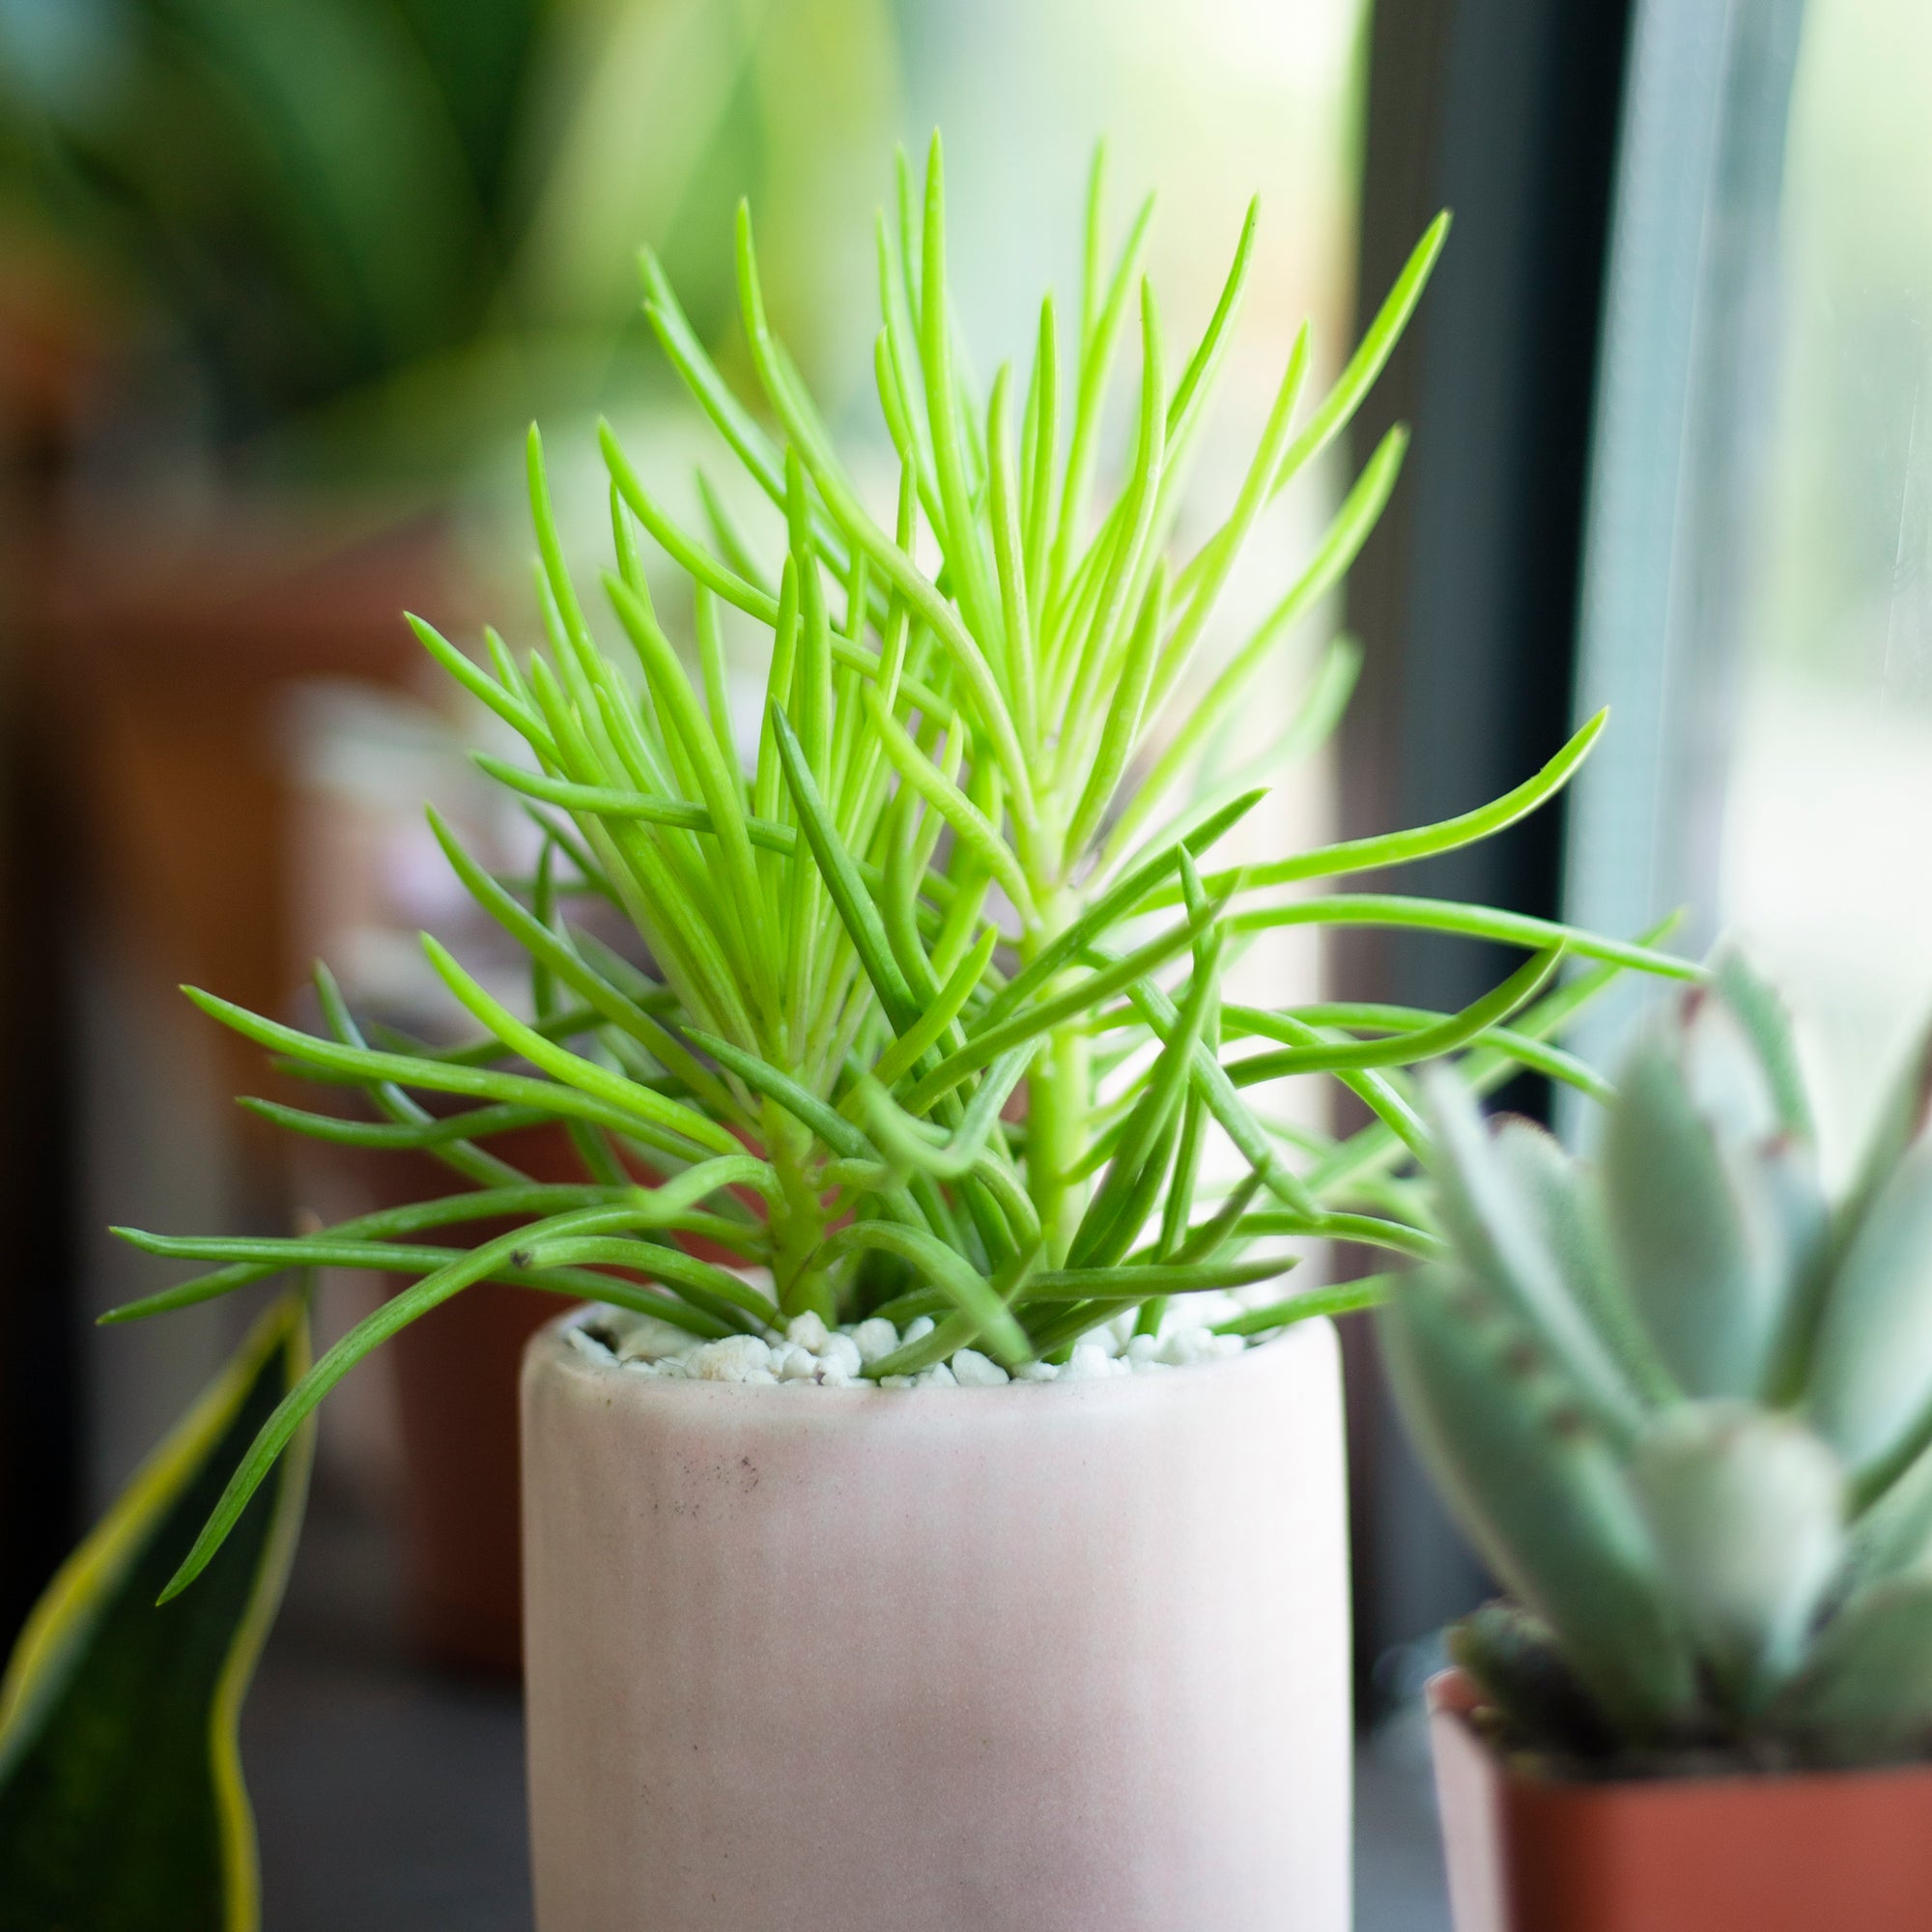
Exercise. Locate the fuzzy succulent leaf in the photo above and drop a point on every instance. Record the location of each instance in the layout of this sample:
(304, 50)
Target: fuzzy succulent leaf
(1903, 1116)
(1759, 1009)
(1865, 1692)
(1714, 1231)
(1542, 1492)
(1500, 1231)
(1894, 1533)
(1745, 1508)
(1568, 1219)
(1869, 1390)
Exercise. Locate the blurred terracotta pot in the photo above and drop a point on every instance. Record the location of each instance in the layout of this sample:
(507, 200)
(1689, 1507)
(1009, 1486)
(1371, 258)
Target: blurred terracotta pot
(456, 1389)
(1840, 1852)
(1035, 1659)
(456, 1397)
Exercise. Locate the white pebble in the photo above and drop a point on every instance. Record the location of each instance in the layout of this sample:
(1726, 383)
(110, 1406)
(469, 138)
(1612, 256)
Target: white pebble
(806, 1331)
(731, 1359)
(876, 1338)
(973, 1370)
(841, 1352)
(644, 1338)
(1090, 1363)
(1185, 1346)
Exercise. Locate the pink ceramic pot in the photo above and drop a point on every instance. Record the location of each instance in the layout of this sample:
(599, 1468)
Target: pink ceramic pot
(1036, 1659)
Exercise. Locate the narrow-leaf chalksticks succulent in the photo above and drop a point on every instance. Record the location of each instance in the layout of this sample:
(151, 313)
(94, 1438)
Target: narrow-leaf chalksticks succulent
(924, 1008)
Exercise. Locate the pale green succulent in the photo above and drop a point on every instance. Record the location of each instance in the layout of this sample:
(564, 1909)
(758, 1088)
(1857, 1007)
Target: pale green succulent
(1682, 1405)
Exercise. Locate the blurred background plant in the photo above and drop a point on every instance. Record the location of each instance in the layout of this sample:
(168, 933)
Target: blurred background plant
(356, 237)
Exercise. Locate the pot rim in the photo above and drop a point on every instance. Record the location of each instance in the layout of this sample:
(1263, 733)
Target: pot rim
(548, 1348)
(1452, 1696)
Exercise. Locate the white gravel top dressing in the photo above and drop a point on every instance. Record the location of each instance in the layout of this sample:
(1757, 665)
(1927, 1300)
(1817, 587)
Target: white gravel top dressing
(808, 1353)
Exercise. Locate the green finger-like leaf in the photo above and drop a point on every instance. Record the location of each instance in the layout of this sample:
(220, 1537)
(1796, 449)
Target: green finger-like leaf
(1511, 928)
(975, 1296)
(696, 560)
(1349, 1297)
(857, 910)
(966, 819)
(1132, 1284)
(359, 1064)
(261, 1257)
(986, 1043)
(569, 966)
(1404, 1049)
(1450, 835)
(610, 802)
(905, 1052)
(1118, 900)
(666, 1117)
(836, 1133)
(1373, 352)
(301, 1401)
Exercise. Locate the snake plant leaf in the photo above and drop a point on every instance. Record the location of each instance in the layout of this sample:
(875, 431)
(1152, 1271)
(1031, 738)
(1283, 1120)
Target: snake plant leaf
(1869, 1390)
(1865, 1693)
(1539, 1490)
(1746, 1507)
(1502, 1241)
(122, 1807)
(1716, 1217)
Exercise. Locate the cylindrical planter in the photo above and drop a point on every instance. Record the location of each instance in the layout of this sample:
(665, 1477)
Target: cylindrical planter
(1045, 1658)
(1838, 1851)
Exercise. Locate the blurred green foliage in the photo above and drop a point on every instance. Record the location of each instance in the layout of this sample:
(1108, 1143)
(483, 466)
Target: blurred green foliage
(434, 201)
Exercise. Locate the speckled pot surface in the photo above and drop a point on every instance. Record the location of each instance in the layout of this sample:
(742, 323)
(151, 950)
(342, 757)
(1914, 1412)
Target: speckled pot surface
(1028, 1658)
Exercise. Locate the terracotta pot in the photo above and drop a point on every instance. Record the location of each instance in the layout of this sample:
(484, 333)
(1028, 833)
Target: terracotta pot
(1035, 1659)
(1840, 1852)
(456, 1397)
(456, 1389)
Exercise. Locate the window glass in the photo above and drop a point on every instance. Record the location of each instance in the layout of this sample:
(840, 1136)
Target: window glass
(1828, 817)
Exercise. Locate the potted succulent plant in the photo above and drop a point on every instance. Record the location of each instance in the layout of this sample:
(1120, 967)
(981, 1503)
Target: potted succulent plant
(1682, 1405)
(900, 1550)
